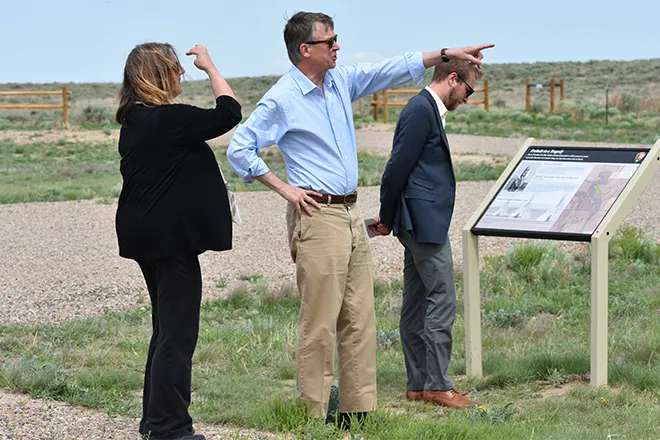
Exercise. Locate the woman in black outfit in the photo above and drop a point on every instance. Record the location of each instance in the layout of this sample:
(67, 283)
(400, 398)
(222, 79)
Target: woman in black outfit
(173, 206)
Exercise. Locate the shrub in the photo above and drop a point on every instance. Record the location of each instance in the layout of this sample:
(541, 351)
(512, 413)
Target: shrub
(462, 118)
(525, 118)
(499, 103)
(591, 110)
(626, 102)
(107, 128)
(539, 263)
(631, 243)
(506, 319)
(540, 117)
(650, 102)
(93, 113)
(359, 119)
(479, 115)
(45, 125)
(600, 113)
(625, 124)
(525, 256)
(536, 108)
(555, 120)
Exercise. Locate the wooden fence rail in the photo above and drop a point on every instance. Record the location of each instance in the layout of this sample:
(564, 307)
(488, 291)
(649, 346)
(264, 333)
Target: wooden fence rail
(65, 106)
(386, 103)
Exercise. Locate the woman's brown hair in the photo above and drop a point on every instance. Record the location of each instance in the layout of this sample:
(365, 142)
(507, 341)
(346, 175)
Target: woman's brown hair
(148, 77)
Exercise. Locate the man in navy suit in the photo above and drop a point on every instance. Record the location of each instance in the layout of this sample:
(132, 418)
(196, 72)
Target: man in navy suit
(417, 196)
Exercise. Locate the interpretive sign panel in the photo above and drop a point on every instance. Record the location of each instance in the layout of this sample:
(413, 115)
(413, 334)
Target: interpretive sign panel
(560, 193)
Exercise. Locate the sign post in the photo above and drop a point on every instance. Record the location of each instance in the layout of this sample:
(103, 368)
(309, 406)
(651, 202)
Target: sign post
(558, 193)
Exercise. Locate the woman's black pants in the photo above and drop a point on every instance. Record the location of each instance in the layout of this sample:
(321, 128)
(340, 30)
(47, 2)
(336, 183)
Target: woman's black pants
(175, 289)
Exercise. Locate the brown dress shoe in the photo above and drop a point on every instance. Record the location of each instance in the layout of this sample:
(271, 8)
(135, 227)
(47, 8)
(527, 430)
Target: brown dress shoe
(419, 395)
(449, 398)
(414, 395)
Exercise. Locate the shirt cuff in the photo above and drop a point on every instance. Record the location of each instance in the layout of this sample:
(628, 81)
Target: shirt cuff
(416, 66)
(257, 168)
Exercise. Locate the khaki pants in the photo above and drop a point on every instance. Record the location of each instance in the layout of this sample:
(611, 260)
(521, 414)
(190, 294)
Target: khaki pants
(335, 281)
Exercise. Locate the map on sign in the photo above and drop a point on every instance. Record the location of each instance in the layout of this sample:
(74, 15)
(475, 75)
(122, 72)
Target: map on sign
(561, 192)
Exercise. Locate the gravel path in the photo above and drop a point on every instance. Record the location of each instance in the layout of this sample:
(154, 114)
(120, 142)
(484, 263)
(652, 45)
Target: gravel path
(23, 418)
(60, 261)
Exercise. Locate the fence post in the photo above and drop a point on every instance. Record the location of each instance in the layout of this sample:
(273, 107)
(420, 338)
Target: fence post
(385, 107)
(527, 93)
(607, 103)
(65, 106)
(486, 94)
(561, 89)
(376, 106)
(552, 94)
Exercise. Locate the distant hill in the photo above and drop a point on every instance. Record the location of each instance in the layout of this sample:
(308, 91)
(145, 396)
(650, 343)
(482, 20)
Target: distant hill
(585, 82)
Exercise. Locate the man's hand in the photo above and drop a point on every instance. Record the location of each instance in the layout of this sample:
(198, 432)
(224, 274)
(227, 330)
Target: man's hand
(300, 198)
(202, 58)
(470, 53)
(378, 228)
(381, 229)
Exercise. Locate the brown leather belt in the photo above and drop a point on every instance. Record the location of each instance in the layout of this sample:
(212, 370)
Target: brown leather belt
(330, 199)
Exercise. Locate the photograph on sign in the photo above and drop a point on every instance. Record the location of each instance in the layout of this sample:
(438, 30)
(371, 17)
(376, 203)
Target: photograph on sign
(561, 191)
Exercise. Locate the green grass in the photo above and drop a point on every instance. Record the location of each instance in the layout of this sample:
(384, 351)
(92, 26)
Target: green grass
(244, 372)
(572, 124)
(62, 170)
(566, 127)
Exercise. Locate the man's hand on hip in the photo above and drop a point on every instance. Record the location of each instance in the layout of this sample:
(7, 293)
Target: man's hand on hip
(300, 198)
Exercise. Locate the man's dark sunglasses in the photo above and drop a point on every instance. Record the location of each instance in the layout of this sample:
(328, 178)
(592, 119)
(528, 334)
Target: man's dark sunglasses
(470, 90)
(330, 41)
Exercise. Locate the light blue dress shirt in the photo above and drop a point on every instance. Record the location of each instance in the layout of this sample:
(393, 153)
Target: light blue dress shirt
(315, 133)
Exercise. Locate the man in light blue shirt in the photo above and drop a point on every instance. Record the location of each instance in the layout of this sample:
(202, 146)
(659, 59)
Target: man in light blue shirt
(308, 114)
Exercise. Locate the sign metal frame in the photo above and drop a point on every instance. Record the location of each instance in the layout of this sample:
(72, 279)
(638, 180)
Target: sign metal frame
(599, 242)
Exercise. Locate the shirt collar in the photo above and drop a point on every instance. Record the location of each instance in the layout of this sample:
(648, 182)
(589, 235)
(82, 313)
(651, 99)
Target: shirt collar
(304, 83)
(442, 109)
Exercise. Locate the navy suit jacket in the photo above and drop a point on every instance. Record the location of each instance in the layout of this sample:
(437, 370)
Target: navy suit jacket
(418, 189)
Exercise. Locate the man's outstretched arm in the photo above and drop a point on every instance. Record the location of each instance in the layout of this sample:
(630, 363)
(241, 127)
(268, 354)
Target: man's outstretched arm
(471, 54)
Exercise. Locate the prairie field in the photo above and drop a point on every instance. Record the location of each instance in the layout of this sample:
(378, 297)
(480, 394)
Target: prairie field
(634, 91)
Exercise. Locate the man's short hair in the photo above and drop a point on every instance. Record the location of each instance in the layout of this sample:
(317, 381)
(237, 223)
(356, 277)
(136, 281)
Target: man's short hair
(300, 29)
(464, 69)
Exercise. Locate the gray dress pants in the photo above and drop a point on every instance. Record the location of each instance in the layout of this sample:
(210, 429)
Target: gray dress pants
(427, 313)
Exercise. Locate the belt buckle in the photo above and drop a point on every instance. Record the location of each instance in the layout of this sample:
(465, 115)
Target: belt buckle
(350, 198)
